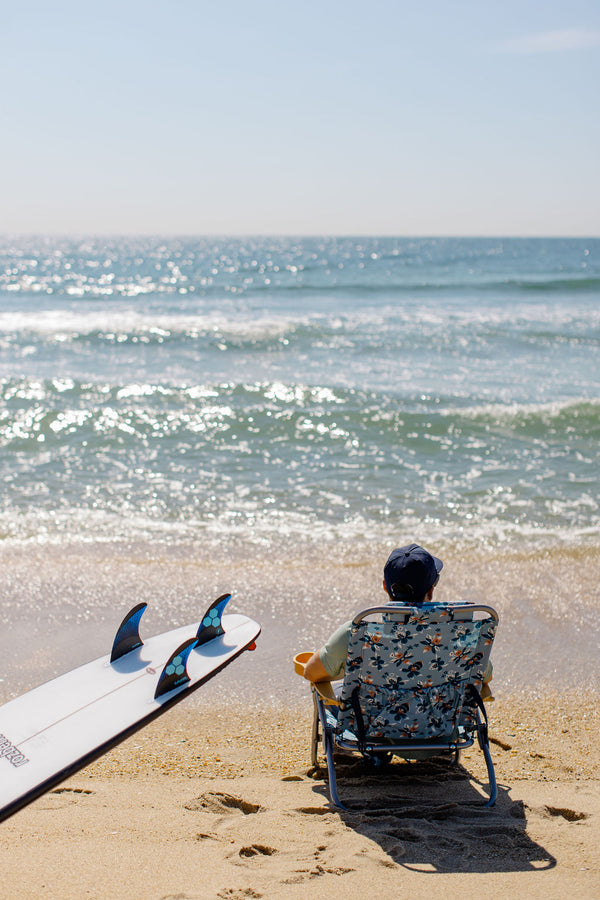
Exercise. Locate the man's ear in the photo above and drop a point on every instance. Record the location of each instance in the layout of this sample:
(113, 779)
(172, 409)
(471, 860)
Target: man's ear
(384, 587)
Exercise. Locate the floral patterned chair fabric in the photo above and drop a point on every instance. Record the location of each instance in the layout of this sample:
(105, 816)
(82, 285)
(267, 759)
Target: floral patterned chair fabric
(406, 680)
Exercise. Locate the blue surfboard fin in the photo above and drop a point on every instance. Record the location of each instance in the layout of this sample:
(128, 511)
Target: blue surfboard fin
(210, 626)
(128, 634)
(175, 673)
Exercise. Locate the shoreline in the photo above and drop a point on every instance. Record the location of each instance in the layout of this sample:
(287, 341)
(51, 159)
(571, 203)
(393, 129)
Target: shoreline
(61, 606)
(222, 803)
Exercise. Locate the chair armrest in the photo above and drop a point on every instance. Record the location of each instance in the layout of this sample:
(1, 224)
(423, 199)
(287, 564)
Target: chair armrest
(325, 691)
(323, 688)
(486, 694)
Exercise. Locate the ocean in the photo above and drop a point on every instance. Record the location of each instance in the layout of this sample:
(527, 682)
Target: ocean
(273, 415)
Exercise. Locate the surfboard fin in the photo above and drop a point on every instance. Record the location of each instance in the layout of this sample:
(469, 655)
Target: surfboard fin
(175, 673)
(128, 634)
(210, 626)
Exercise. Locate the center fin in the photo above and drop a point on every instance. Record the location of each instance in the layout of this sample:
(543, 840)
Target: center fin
(175, 673)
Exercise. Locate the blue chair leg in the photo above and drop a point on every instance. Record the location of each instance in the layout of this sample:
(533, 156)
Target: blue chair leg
(491, 775)
(328, 745)
(484, 743)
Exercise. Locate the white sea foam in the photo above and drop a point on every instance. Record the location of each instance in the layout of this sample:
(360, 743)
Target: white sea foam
(509, 412)
(66, 324)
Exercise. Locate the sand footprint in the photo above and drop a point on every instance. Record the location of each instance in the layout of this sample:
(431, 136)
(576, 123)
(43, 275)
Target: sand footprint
(558, 812)
(209, 836)
(256, 850)
(318, 870)
(251, 852)
(219, 803)
(314, 810)
(71, 791)
(317, 867)
(60, 798)
(238, 894)
(571, 815)
(181, 897)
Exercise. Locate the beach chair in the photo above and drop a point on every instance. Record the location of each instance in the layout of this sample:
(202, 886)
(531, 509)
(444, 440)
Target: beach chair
(412, 687)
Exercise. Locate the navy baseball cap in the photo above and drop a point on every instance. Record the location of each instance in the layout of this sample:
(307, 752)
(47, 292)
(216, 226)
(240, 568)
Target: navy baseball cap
(410, 572)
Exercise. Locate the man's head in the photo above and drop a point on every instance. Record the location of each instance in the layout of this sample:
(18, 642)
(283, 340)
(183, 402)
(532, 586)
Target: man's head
(410, 573)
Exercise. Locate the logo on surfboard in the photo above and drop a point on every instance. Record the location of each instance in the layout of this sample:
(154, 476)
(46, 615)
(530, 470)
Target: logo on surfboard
(11, 753)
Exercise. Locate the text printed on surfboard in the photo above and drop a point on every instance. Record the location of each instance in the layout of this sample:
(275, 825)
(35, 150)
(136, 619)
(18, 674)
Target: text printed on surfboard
(11, 753)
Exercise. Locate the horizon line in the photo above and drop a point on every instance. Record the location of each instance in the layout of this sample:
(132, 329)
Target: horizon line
(292, 234)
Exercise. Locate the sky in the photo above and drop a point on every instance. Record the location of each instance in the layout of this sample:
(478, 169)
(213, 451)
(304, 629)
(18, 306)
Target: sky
(380, 117)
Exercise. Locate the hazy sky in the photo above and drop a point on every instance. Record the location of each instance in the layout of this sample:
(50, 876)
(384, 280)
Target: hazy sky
(274, 116)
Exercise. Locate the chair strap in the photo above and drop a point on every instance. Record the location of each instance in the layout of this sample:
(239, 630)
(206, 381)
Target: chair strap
(360, 722)
(482, 726)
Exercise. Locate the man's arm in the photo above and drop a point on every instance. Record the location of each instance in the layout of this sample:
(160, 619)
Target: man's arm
(327, 664)
(314, 670)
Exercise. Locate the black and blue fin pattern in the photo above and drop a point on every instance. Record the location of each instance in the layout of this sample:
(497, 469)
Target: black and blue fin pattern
(210, 626)
(175, 673)
(128, 634)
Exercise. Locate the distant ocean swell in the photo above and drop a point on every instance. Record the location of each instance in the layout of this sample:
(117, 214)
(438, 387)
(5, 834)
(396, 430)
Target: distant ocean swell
(351, 287)
(355, 267)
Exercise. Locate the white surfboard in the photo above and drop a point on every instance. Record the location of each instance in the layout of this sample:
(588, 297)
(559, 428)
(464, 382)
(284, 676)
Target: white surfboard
(54, 730)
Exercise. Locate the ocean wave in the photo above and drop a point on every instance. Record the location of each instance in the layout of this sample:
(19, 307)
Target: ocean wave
(579, 417)
(283, 531)
(386, 288)
(567, 285)
(234, 455)
(388, 416)
(388, 323)
(132, 326)
(319, 285)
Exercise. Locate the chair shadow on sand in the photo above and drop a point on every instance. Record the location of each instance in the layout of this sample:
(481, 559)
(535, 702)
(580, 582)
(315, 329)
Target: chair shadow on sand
(429, 817)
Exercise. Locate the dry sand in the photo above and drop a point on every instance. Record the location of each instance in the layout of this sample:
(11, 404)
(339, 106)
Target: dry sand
(204, 804)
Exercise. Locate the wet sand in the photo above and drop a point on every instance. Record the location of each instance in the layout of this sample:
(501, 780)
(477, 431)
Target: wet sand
(60, 607)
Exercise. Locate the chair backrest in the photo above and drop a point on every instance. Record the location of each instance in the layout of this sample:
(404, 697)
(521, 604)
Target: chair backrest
(407, 673)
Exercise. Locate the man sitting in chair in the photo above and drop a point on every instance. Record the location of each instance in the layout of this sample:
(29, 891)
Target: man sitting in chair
(409, 576)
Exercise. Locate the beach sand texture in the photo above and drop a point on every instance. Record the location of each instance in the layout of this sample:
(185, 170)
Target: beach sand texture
(216, 798)
(223, 804)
